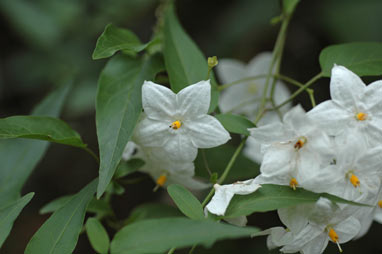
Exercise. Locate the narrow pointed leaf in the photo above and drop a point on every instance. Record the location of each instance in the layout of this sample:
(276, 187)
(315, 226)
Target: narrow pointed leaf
(98, 237)
(235, 123)
(185, 63)
(272, 197)
(9, 213)
(19, 157)
(59, 234)
(186, 202)
(55, 204)
(152, 211)
(363, 58)
(127, 167)
(114, 39)
(40, 127)
(160, 235)
(118, 107)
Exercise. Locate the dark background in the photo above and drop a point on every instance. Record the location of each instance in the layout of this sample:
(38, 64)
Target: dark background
(45, 43)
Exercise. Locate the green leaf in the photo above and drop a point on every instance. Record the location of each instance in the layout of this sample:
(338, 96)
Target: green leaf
(216, 159)
(363, 58)
(186, 202)
(272, 197)
(127, 167)
(235, 123)
(185, 63)
(118, 107)
(9, 213)
(159, 235)
(152, 211)
(114, 39)
(40, 127)
(290, 5)
(19, 157)
(55, 204)
(59, 234)
(98, 237)
(97, 206)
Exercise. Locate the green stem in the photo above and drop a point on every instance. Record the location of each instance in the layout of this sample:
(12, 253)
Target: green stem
(89, 151)
(301, 89)
(240, 81)
(171, 251)
(311, 96)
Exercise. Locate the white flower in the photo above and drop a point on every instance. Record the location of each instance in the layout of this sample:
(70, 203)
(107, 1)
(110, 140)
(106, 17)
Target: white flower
(245, 98)
(293, 150)
(327, 223)
(356, 172)
(224, 193)
(354, 106)
(179, 122)
(164, 171)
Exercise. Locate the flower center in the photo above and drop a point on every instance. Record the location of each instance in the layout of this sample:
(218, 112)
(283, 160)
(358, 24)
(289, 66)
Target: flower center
(361, 116)
(293, 183)
(176, 125)
(161, 180)
(300, 143)
(380, 203)
(334, 237)
(354, 180)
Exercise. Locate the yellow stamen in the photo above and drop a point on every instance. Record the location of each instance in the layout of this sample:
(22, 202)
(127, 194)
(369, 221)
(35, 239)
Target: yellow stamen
(293, 183)
(354, 180)
(160, 182)
(300, 143)
(176, 125)
(380, 203)
(334, 237)
(361, 116)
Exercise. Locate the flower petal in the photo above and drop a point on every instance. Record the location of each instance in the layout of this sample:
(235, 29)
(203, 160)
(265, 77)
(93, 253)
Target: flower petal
(346, 88)
(230, 70)
(179, 147)
(152, 133)
(372, 97)
(271, 133)
(194, 100)
(347, 229)
(206, 132)
(330, 116)
(158, 101)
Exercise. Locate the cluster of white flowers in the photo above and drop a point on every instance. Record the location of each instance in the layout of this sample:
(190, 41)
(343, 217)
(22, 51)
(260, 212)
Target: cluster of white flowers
(171, 130)
(334, 148)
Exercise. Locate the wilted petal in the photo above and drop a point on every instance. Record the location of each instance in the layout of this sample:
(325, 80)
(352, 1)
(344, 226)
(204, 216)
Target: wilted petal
(194, 100)
(224, 194)
(158, 101)
(206, 132)
(346, 88)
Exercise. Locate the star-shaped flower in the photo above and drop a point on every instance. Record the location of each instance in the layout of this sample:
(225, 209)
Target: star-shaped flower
(179, 122)
(354, 106)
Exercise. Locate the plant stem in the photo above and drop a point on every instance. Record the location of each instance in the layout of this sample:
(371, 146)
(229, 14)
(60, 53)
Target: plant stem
(89, 151)
(301, 89)
(171, 251)
(311, 96)
(240, 81)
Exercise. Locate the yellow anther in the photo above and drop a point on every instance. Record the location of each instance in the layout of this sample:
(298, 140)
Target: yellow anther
(361, 116)
(300, 143)
(380, 203)
(293, 183)
(334, 237)
(161, 180)
(354, 180)
(176, 125)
